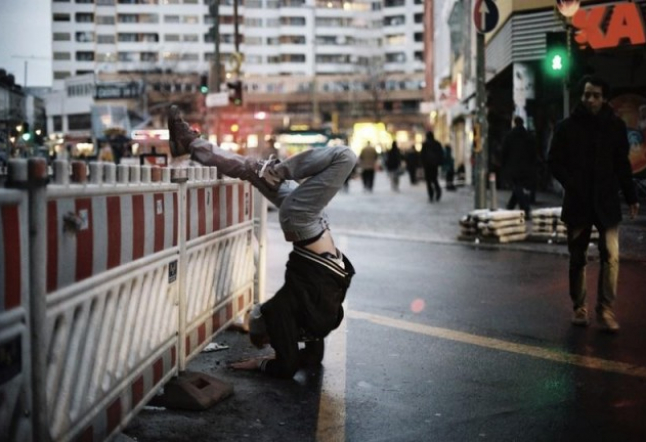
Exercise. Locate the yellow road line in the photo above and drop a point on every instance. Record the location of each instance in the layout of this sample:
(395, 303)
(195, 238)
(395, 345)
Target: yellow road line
(497, 344)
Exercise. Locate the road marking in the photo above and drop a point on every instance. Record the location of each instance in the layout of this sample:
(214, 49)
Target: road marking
(497, 344)
(330, 426)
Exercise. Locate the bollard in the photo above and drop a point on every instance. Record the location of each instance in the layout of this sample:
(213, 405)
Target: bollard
(79, 172)
(61, 172)
(145, 173)
(493, 203)
(156, 174)
(110, 170)
(123, 173)
(96, 172)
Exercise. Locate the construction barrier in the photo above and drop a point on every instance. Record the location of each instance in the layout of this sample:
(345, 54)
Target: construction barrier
(15, 353)
(141, 268)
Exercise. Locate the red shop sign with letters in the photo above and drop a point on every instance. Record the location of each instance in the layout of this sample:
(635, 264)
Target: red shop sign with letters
(625, 23)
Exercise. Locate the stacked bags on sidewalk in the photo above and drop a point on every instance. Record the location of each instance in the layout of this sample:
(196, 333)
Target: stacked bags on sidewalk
(495, 226)
(548, 227)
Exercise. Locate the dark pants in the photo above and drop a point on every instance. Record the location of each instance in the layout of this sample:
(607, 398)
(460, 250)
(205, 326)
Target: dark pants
(368, 177)
(519, 195)
(432, 184)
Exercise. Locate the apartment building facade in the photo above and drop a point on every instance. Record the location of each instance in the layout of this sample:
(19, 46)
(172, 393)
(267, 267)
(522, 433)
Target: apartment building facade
(305, 62)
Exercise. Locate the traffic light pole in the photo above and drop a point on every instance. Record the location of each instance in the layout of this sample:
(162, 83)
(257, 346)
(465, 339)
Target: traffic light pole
(480, 140)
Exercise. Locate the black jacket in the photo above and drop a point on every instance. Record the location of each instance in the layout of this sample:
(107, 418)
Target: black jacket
(520, 157)
(589, 157)
(432, 154)
(308, 303)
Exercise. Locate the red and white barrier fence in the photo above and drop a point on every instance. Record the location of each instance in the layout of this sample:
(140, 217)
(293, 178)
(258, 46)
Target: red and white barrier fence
(132, 273)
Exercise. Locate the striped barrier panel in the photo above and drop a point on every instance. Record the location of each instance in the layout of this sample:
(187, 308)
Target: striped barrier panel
(112, 319)
(220, 259)
(15, 358)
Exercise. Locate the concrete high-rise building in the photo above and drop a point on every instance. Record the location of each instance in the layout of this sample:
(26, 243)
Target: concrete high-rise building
(304, 61)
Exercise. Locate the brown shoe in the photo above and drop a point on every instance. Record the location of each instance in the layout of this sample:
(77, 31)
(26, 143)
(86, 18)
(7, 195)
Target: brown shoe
(180, 133)
(607, 321)
(580, 317)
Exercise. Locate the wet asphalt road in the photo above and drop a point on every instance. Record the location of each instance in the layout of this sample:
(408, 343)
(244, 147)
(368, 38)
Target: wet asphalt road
(441, 342)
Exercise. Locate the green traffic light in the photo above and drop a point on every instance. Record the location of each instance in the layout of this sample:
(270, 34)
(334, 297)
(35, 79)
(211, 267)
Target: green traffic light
(204, 89)
(557, 62)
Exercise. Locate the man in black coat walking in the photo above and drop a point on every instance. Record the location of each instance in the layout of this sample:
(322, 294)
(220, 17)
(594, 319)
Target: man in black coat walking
(519, 160)
(589, 157)
(432, 156)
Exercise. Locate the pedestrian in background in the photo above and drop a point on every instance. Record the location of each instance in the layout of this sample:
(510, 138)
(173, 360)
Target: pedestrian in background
(589, 157)
(412, 164)
(519, 165)
(449, 167)
(432, 156)
(367, 163)
(393, 166)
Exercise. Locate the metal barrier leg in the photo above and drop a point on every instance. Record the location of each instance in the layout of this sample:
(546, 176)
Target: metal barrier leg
(38, 307)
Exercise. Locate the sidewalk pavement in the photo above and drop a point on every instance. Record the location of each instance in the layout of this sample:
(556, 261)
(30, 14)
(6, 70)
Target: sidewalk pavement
(408, 215)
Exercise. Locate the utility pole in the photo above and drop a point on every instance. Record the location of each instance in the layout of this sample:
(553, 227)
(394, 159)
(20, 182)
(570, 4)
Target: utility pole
(480, 139)
(215, 32)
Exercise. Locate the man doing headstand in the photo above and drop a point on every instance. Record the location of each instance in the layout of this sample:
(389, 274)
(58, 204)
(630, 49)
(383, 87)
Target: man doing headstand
(309, 304)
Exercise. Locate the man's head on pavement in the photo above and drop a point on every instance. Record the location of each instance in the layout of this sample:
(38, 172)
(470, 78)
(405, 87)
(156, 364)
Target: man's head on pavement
(594, 93)
(257, 327)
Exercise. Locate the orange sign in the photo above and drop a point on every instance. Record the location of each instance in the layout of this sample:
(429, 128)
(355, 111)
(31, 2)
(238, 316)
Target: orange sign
(625, 24)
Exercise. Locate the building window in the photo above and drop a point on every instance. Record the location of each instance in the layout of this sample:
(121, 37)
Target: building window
(292, 58)
(419, 36)
(61, 17)
(62, 36)
(105, 39)
(57, 120)
(395, 20)
(292, 39)
(127, 18)
(253, 41)
(149, 56)
(292, 21)
(253, 22)
(85, 1)
(253, 4)
(106, 57)
(61, 75)
(84, 72)
(62, 56)
(189, 56)
(396, 39)
(394, 3)
(105, 2)
(419, 56)
(84, 56)
(191, 38)
(191, 19)
(396, 57)
(194, 2)
(85, 37)
(79, 121)
(418, 18)
(170, 56)
(171, 19)
(84, 17)
(126, 37)
(253, 59)
(128, 56)
(171, 37)
(148, 18)
(105, 19)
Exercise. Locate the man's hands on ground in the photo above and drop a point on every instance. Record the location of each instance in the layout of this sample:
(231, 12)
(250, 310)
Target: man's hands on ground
(249, 364)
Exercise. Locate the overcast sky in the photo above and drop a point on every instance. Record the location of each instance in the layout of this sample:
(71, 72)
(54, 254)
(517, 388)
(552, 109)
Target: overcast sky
(25, 36)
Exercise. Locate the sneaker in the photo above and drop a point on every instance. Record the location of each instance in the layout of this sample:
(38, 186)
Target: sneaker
(607, 321)
(267, 172)
(580, 317)
(180, 133)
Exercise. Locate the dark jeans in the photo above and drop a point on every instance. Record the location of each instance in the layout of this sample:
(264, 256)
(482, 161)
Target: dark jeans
(432, 184)
(521, 196)
(368, 177)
